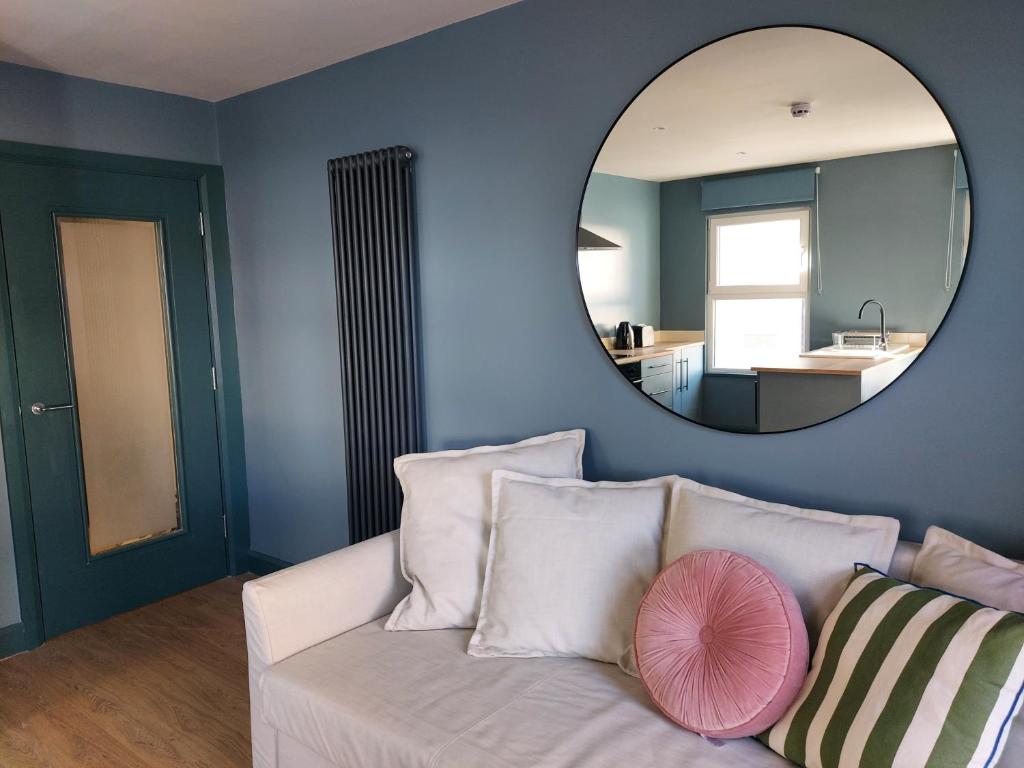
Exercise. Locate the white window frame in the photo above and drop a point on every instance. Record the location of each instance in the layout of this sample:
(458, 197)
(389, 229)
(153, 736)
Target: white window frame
(716, 292)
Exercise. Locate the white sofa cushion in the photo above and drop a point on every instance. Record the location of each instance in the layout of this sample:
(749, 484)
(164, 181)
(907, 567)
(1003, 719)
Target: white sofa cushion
(446, 522)
(567, 565)
(810, 550)
(952, 563)
(370, 698)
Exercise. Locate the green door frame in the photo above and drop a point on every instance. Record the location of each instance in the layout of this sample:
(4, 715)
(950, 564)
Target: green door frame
(230, 438)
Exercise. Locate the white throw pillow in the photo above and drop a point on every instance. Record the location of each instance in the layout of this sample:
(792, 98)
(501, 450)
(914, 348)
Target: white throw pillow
(810, 550)
(954, 564)
(567, 565)
(446, 522)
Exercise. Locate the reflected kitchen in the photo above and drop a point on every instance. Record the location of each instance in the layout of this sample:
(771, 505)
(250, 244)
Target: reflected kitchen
(773, 256)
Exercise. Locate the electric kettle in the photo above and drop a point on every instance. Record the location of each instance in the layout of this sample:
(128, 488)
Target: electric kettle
(624, 335)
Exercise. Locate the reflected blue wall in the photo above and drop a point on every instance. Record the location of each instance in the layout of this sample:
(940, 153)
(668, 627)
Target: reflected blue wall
(622, 284)
(884, 235)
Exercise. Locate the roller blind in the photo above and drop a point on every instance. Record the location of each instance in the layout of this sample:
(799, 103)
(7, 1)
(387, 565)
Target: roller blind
(961, 172)
(793, 185)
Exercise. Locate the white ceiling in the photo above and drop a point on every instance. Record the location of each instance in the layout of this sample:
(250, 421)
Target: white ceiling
(212, 49)
(734, 96)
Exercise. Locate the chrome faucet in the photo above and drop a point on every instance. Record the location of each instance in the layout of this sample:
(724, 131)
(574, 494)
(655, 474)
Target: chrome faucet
(881, 311)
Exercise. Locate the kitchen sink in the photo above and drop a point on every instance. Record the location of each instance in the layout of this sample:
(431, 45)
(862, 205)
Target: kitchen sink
(854, 353)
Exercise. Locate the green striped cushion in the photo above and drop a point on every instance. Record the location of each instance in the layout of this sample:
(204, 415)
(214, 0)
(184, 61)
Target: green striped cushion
(905, 677)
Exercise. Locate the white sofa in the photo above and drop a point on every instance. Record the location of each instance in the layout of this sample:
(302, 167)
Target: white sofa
(330, 688)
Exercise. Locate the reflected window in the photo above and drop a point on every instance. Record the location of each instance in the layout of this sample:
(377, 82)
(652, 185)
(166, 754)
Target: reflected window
(757, 288)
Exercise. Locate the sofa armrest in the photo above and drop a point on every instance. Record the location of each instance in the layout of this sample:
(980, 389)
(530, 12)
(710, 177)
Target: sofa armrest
(298, 607)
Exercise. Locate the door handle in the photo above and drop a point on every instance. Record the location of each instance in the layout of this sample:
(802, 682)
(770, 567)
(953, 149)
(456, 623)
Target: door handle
(686, 386)
(39, 409)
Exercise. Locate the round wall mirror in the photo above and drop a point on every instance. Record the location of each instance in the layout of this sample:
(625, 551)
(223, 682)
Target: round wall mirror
(773, 230)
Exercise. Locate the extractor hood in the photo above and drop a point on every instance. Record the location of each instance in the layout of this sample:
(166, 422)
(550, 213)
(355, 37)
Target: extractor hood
(588, 241)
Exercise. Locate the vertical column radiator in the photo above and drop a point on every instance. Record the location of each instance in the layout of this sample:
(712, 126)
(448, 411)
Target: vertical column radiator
(375, 261)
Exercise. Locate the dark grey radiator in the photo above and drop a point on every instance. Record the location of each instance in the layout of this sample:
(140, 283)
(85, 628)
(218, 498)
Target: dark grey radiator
(375, 261)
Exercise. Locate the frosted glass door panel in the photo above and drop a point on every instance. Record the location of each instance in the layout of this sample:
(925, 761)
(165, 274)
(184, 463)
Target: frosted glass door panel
(116, 317)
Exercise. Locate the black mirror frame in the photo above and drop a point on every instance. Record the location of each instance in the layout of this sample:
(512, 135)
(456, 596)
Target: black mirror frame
(952, 300)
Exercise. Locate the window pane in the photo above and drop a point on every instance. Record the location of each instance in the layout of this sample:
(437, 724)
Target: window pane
(760, 253)
(116, 316)
(752, 332)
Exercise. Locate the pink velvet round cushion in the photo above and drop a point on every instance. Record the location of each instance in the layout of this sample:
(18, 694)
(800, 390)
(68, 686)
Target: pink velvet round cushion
(721, 644)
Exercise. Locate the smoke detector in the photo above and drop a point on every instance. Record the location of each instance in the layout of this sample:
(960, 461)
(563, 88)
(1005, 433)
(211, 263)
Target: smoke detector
(800, 109)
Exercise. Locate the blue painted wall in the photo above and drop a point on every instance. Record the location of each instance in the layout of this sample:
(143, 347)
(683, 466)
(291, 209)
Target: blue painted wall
(42, 107)
(622, 284)
(506, 112)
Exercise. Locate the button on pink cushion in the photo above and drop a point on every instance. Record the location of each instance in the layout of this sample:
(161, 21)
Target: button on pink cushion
(721, 644)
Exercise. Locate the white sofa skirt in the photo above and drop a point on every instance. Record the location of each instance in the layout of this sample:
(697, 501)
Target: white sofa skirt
(295, 754)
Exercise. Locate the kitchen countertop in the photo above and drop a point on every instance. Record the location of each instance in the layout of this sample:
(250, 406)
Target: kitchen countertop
(622, 356)
(839, 366)
(665, 342)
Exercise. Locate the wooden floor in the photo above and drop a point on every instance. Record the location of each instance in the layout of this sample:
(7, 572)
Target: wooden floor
(164, 685)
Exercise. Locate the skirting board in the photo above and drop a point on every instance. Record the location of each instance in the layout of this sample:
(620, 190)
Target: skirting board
(262, 564)
(12, 640)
